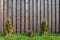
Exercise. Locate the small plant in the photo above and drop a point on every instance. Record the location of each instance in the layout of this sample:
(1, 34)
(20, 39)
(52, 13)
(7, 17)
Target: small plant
(8, 28)
(43, 28)
(30, 33)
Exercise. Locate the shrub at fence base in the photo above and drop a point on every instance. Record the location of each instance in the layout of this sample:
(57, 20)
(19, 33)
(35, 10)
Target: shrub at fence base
(30, 33)
(43, 28)
(8, 28)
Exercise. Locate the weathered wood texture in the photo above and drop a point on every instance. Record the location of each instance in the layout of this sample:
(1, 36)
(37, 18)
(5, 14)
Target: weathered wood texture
(28, 14)
(1, 15)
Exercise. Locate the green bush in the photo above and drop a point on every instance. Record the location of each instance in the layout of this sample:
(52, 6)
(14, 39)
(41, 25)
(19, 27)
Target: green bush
(8, 28)
(30, 33)
(43, 28)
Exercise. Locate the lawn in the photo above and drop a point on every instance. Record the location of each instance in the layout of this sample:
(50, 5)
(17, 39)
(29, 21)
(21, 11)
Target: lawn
(19, 36)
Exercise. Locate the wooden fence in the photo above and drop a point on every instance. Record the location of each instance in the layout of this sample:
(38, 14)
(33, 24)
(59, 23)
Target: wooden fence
(28, 14)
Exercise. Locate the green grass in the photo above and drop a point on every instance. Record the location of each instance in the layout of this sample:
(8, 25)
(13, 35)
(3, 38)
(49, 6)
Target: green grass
(35, 37)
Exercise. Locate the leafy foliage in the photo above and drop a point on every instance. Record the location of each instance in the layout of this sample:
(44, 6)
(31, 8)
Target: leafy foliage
(8, 28)
(43, 28)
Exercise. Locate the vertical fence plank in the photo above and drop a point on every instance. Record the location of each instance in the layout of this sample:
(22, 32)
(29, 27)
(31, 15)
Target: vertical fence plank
(48, 13)
(26, 15)
(53, 16)
(42, 10)
(49, 16)
(46, 10)
(31, 14)
(9, 8)
(14, 15)
(34, 15)
(5, 11)
(0, 11)
(38, 16)
(10, 11)
(18, 16)
(22, 15)
(1, 17)
(57, 16)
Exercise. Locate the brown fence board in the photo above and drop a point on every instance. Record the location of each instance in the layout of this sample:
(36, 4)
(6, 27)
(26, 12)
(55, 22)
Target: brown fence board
(31, 14)
(46, 11)
(18, 16)
(57, 16)
(50, 16)
(42, 11)
(4, 12)
(34, 15)
(26, 15)
(22, 15)
(14, 15)
(1, 16)
(38, 16)
(53, 16)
